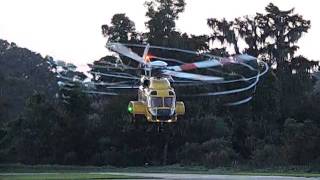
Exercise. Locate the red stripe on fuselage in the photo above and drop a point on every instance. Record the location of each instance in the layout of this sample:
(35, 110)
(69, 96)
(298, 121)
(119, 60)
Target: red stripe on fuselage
(190, 66)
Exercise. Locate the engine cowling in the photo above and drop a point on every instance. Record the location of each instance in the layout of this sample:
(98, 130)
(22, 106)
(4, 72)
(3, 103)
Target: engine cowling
(136, 107)
(180, 108)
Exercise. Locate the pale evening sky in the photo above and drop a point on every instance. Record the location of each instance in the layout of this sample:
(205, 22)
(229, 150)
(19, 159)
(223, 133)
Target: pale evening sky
(70, 30)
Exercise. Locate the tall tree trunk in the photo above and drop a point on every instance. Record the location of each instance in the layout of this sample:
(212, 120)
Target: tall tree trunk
(236, 48)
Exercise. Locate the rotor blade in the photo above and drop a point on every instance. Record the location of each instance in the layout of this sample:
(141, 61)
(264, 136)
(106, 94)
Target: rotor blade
(114, 75)
(123, 87)
(232, 91)
(123, 50)
(168, 59)
(191, 76)
(237, 59)
(227, 60)
(94, 92)
(244, 58)
(107, 93)
(73, 79)
(145, 53)
(196, 65)
(241, 57)
(236, 103)
(122, 67)
(63, 77)
(107, 84)
(103, 93)
(60, 83)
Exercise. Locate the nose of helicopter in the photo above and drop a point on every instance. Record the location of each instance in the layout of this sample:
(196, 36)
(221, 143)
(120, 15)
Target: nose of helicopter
(164, 112)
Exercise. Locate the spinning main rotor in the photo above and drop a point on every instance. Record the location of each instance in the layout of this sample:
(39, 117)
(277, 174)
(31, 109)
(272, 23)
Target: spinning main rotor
(235, 74)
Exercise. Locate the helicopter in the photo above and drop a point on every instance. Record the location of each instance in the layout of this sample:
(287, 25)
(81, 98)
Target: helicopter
(157, 101)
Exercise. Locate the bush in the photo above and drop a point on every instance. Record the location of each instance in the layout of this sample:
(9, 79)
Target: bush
(212, 153)
(218, 152)
(267, 156)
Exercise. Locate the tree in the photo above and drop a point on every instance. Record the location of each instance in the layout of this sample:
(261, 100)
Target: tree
(122, 29)
(23, 72)
(273, 34)
(301, 142)
(33, 137)
(75, 135)
(285, 29)
(162, 15)
(224, 31)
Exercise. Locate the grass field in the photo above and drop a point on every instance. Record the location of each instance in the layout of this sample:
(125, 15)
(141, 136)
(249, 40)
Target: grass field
(278, 174)
(50, 172)
(61, 176)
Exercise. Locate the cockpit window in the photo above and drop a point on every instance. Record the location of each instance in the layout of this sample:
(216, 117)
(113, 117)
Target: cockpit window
(156, 102)
(168, 101)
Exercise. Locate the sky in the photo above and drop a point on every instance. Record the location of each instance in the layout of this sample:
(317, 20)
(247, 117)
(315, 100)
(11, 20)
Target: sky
(70, 30)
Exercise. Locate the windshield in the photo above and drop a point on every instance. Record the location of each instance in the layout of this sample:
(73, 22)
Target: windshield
(168, 101)
(156, 102)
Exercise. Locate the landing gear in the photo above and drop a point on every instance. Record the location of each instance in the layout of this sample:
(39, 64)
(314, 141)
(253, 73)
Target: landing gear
(160, 127)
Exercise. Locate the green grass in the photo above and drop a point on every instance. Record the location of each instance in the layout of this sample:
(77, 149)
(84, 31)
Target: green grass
(61, 176)
(246, 171)
(92, 172)
(277, 174)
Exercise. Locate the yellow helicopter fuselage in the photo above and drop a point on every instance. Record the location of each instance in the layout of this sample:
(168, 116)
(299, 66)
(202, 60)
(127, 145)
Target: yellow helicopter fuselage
(156, 101)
